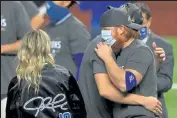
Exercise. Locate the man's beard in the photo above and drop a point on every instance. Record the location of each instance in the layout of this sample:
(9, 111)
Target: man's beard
(117, 46)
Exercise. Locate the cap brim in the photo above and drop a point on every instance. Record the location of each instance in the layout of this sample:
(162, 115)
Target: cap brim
(134, 26)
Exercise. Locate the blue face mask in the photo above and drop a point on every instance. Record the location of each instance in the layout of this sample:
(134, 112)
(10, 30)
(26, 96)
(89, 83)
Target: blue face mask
(143, 32)
(55, 12)
(107, 37)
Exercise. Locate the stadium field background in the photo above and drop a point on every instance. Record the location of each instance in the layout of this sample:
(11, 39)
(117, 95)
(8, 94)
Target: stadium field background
(171, 95)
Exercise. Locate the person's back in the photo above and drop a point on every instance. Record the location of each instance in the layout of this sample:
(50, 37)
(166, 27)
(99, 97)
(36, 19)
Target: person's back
(42, 89)
(96, 106)
(53, 99)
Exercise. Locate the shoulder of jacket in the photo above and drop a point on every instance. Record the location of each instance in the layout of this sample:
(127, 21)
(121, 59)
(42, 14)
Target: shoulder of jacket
(161, 40)
(62, 70)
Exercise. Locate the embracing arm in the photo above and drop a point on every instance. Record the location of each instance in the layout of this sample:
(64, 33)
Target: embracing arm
(119, 80)
(110, 92)
(107, 85)
(106, 88)
(135, 67)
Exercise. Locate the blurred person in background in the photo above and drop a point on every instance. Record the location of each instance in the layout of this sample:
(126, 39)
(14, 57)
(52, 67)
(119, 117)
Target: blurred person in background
(36, 17)
(42, 89)
(15, 24)
(95, 84)
(141, 14)
(69, 36)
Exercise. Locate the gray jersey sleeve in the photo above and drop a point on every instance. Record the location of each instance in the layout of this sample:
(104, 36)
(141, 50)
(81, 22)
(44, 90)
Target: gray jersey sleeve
(79, 38)
(22, 21)
(30, 8)
(140, 60)
(97, 64)
(63, 57)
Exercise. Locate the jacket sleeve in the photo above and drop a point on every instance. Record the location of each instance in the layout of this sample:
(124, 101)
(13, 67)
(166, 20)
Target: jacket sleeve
(165, 72)
(76, 101)
(10, 106)
(70, 88)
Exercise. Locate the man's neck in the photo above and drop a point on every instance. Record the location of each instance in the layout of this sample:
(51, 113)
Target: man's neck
(127, 43)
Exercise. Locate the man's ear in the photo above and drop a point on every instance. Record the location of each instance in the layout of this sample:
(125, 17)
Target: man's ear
(149, 22)
(120, 30)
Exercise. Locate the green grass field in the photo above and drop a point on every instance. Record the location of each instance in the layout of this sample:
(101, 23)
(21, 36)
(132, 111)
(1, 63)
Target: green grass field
(171, 96)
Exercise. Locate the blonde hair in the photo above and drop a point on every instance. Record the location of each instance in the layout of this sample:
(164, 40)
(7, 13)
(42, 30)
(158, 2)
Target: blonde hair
(33, 54)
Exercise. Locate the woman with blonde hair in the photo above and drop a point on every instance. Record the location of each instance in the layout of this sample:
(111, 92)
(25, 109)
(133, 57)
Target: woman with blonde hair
(42, 89)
